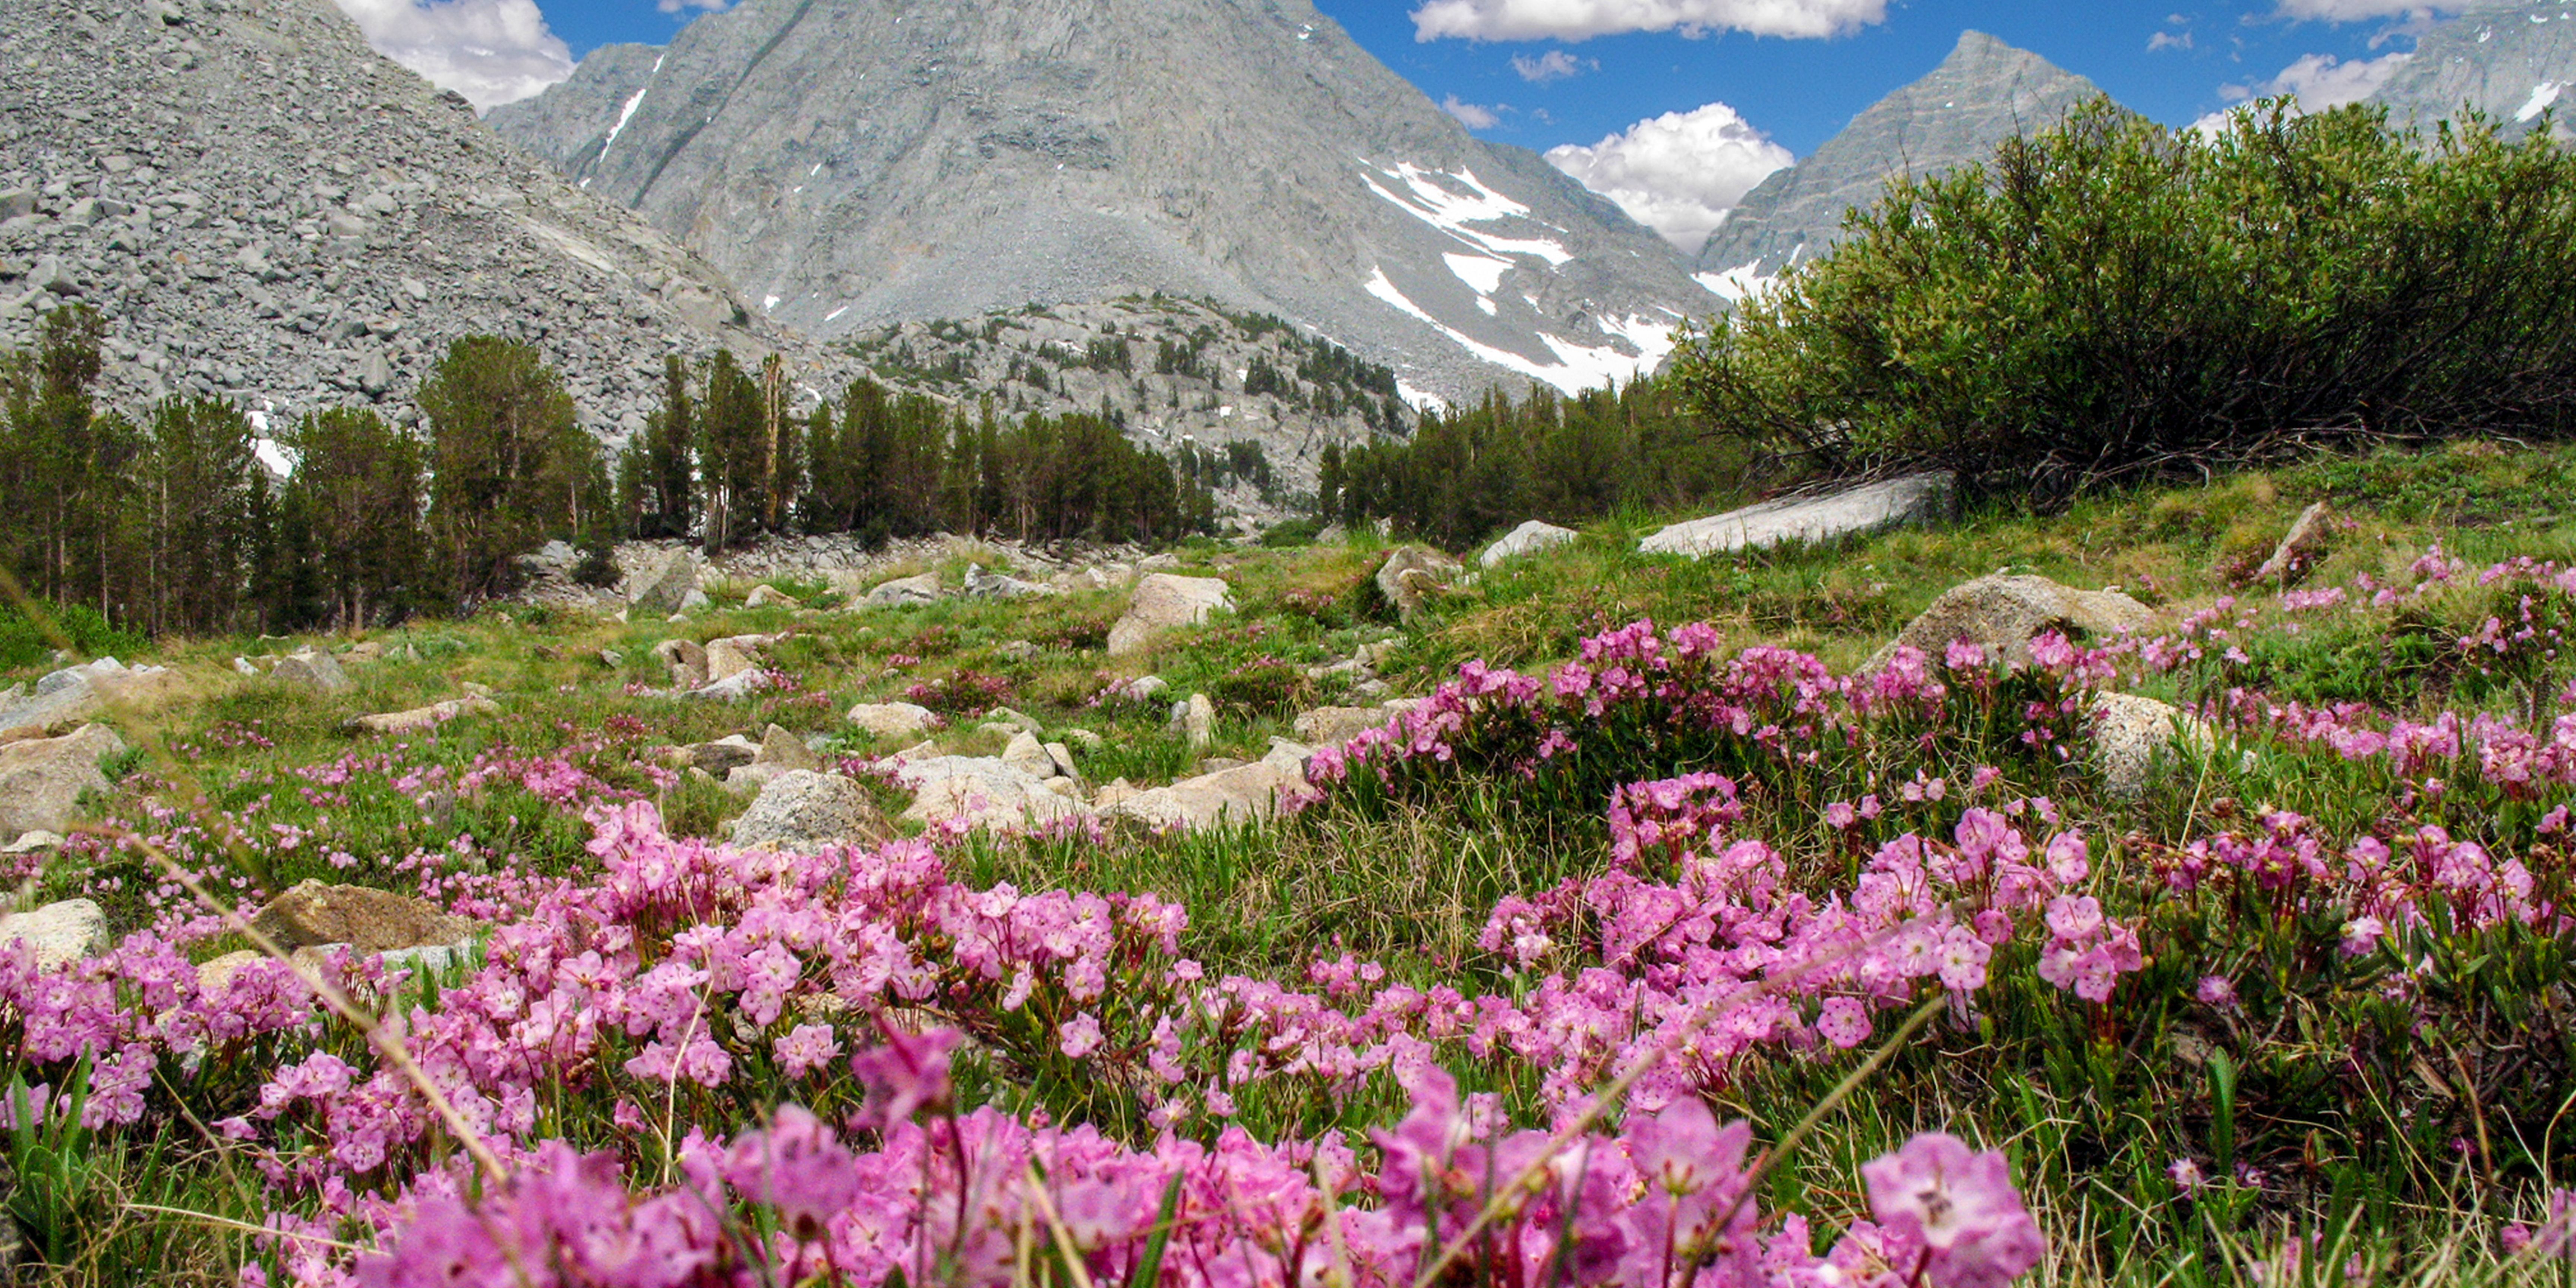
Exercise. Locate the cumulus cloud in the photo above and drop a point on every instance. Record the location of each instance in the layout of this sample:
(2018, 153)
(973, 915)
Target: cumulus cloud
(1584, 19)
(2365, 10)
(1475, 116)
(683, 6)
(2321, 82)
(2168, 40)
(490, 51)
(1679, 173)
(1554, 65)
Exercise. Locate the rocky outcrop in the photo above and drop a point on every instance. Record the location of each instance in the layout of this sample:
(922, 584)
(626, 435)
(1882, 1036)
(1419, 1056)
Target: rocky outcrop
(801, 811)
(1529, 538)
(985, 792)
(1165, 602)
(76, 692)
(667, 590)
(1239, 796)
(267, 210)
(1410, 576)
(2513, 60)
(367, 920)
(2002, 613)
(1849, 512)
(41, 779)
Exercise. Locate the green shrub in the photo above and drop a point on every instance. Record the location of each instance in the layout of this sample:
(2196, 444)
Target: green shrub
(29, 639)
(2115, 299)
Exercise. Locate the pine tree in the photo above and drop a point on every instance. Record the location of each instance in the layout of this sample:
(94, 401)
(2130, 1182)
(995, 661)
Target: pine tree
(508, 467)
(357, 485)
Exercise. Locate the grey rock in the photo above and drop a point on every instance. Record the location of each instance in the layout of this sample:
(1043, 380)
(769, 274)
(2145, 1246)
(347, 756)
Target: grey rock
(1850, 512)
(58, 933)
(1145, 688)
(1529, 538)
(1195, 720)
(1029, 756)
(1410, 576)
(800, 811)
(1333, 726)
(780, 749)
(2513, 60)
(923, 589)
(2130, 731)
(1231, 797)
(1162, 603)
(668, 589)
(765, 595)
(2301, 549)
(981, 791)
(41, 779)
(423, 719)
(893, 719)
(2003, 612)
(1021, 721)
(734, 655)
(981, 584)
(312, 669)
(686, 660)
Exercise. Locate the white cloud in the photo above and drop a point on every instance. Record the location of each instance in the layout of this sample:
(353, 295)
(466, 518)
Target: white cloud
(1584, 19)
(490, 51)
(1678, 173)
(1474, 116)
(683, 6)
(2168, 40)
(1554, 65)
(2365, 10)
(2320, 81)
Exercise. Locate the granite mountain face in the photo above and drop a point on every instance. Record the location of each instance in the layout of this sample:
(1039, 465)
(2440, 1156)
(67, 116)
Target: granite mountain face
(2514, 62)
(264, 208)
(853, 163)
(1984, 93)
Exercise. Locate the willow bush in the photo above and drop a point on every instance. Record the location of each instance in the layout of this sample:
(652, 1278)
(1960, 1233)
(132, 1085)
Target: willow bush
(2115, 299)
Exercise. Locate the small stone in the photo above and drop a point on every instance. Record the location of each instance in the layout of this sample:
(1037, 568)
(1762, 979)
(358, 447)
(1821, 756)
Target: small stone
(667, 591)
(59, 933)
(1196, 720)
(783, 750)
(1411, 575)
(892, 719)
(368, 920)
(765, 595)
(2301, 550)
(1005, 715)
(1529, 538)
(41, 779)
(312, 669)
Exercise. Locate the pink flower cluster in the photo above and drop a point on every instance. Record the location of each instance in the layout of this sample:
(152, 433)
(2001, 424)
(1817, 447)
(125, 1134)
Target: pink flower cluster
(970, 1199)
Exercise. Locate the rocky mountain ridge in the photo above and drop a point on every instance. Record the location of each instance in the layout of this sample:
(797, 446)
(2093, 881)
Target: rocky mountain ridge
(857, 164)
(265, 209)
(1984, 93)
(2512, 61)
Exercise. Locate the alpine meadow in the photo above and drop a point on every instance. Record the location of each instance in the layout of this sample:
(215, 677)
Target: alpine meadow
(1087, 642)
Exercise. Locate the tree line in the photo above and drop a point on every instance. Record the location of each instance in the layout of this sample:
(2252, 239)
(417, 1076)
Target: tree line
(723, 459)
(1472, 471)
(171, 523)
